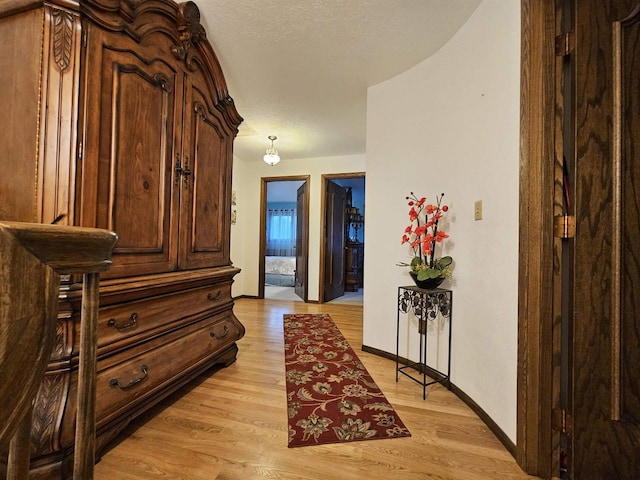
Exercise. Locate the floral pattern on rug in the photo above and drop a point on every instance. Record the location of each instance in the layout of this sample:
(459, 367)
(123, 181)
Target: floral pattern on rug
(331, 398)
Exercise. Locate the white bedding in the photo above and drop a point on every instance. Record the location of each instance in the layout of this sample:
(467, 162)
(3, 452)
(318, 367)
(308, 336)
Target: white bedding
(280, 265)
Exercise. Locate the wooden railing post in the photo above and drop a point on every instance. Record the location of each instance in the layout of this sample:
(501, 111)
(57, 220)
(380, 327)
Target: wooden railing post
(33, 256)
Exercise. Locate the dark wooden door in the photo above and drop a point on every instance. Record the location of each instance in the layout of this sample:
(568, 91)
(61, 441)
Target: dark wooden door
(604, 380)
(130, 115)
(205, 180)
(334, 266)
(302, 253)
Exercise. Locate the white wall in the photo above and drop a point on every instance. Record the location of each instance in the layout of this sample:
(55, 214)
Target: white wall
(450, 125)
(245, 234)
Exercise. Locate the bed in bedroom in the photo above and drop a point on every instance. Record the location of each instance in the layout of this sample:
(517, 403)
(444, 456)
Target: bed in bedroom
(280, 271)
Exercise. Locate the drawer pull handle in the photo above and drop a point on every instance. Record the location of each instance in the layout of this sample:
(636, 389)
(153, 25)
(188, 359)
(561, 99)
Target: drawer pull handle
(216, 298)
(115, 383)
(225, 332)
(133, 320)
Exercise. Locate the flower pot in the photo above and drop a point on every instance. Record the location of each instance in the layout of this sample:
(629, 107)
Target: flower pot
(429, 283)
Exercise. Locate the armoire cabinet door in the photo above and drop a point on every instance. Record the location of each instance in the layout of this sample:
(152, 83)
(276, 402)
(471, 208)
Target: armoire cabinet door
(128, 162)
(204, 222)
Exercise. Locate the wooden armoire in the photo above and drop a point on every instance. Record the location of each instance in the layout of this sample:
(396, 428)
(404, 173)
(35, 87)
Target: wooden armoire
(115, 114)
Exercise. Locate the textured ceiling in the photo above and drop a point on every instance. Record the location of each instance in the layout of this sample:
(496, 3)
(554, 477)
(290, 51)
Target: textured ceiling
(299, 69)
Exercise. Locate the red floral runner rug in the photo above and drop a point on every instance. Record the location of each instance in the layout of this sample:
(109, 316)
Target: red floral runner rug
(331, 398)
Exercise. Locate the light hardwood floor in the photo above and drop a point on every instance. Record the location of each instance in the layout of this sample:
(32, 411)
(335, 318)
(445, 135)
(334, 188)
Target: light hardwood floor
(232, 425)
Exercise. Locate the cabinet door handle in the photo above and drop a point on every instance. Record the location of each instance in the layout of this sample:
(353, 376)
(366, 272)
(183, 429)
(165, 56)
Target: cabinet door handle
(133, 320)
(115, 383)
(224, 333)
(178, 169)
(217, 297)
(186, 171)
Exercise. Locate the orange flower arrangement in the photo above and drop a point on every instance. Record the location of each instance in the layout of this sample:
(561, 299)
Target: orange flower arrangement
(423, 235)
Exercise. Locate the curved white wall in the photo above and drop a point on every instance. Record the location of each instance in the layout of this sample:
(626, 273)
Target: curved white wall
(451, 124)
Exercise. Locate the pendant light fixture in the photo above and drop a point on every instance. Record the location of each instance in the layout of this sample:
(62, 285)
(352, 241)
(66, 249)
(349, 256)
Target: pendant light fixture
(272, 157)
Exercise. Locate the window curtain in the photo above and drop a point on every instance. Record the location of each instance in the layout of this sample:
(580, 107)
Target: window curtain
(281, 232)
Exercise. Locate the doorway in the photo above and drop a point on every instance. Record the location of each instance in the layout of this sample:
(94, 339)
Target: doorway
(284, 238)
(342, 245)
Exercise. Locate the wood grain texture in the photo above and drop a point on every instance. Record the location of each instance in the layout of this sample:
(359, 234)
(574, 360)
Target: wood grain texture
(34, 256)
(627, 270)
(20, 75)
(301, 274)
(604, 370)
(27, 327)
(108, 100)
(65, 249)
(233, 425)
(538, 124)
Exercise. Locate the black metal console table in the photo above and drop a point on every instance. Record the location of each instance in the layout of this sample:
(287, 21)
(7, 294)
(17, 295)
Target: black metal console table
(426, 305)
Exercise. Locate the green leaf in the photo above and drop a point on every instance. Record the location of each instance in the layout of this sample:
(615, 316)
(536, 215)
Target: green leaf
(415, 261)
(443, 262)
(427, 273)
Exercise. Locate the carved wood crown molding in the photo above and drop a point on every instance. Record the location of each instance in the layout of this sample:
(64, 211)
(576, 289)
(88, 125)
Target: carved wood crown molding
(179, 21)
(190, 32)
(189, 26)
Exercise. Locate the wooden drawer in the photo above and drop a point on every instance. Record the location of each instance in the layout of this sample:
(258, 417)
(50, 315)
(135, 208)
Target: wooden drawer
(122, 384)
(140, 319)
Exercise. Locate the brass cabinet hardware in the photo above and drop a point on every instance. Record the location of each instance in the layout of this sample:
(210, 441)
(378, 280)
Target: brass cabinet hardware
(215, 298)
(133, 320)
(225, 332)
(115, 383)
(564, 226)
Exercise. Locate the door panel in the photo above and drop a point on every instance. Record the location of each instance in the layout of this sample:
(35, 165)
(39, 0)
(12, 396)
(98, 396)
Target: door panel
(605, 377)
(334, 272)
(204, 185)
(129, 150)
(627, 42)
(302, 253)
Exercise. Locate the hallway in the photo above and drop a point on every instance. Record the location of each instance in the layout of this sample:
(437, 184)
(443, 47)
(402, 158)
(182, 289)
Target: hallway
(232, 425)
